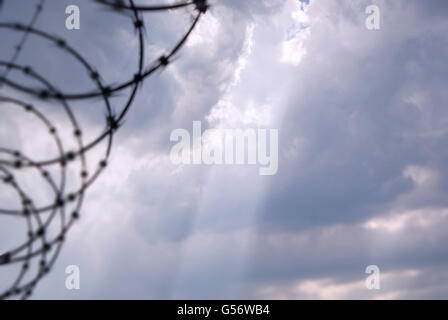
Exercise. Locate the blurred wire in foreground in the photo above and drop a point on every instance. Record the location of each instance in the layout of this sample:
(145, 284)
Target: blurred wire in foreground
(41, 247)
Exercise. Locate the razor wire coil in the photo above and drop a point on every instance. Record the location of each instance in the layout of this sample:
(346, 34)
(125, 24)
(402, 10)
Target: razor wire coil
(40, 247)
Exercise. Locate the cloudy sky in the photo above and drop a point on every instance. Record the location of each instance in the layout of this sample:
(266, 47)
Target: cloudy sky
(363, 147)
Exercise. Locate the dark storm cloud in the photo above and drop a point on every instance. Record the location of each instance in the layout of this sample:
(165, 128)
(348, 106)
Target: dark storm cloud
(362, 122)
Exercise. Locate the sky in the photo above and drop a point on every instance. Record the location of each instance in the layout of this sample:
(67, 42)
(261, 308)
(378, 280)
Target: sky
(362, 122)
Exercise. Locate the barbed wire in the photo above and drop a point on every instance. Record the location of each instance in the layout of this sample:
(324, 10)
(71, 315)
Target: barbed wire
(42, 247)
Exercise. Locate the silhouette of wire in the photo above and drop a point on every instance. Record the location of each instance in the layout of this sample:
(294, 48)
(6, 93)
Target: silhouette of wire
(42, 247)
